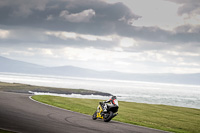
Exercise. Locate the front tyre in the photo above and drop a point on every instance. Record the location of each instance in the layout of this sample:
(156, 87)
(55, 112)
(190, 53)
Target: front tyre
(108, 116)
(94, 116)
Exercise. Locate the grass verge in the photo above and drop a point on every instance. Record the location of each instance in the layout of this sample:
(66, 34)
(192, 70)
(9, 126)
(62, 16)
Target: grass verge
(163, 117)
(4, 131)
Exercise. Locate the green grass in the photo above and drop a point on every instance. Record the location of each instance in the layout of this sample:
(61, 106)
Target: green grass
(4, 131)
(168, 118)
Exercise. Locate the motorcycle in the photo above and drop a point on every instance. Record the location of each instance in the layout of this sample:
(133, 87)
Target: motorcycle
(109, 114)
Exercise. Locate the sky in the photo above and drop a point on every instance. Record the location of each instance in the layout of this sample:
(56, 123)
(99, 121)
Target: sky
(133, 36)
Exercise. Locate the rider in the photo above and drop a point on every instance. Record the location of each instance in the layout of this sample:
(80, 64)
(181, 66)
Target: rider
(113, 102)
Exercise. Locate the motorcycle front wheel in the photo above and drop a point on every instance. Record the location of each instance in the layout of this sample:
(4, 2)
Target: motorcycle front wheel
(108, 116)
(94, 116)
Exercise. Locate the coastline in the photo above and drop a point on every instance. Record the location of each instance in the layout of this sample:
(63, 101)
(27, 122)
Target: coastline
(140, 92)
(28, 89)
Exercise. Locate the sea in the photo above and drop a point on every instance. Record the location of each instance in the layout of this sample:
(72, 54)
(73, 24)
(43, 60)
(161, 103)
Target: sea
(130, 91)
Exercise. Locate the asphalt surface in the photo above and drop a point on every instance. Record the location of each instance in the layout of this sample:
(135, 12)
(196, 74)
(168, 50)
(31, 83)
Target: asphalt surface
(21, 114)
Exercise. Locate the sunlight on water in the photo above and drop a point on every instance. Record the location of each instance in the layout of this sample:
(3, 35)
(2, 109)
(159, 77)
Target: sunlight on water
(133, 91)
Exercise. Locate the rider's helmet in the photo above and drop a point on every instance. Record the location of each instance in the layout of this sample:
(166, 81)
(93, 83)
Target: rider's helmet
(114, 97)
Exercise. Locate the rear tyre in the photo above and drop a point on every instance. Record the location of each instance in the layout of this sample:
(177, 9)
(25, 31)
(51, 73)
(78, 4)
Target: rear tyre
(108, 117)
(94, 116)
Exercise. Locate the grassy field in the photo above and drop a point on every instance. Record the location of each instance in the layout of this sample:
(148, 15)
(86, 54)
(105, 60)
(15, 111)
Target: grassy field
(168, 118)
(4, 131)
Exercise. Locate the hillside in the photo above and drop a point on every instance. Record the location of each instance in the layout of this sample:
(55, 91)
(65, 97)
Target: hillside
(14, 66)
(9, 65)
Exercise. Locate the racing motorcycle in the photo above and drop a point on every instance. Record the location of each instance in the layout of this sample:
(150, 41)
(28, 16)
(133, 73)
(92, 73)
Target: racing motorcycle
(109, 114)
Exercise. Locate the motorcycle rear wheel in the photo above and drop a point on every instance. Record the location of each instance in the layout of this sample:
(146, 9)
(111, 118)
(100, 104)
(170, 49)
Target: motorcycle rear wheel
(107, 119)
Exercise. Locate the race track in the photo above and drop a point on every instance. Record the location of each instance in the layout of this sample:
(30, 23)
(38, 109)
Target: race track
(20, 114)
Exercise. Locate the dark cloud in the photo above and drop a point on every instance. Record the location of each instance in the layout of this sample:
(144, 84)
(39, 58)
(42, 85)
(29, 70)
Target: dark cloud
(157, 34)
(22, 8)
(93, 17)
(32, 15)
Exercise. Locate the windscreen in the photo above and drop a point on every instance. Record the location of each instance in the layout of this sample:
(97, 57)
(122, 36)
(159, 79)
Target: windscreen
(116, 102)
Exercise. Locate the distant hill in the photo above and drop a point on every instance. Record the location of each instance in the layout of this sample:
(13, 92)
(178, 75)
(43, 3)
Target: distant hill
(14, 66)
(9, 65)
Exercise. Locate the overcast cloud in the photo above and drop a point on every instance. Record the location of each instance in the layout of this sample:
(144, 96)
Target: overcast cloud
(188, 7)
(118, 35)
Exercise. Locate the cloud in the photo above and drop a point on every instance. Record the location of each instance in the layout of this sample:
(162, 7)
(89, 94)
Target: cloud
(189, 7)
(4, 34)
(67, 15)
(73, 35)
(90, 17)
(49, 17)
(23, 8)
(83, 16)
(188, 29)
(95, 32)
(22, 35)
(127, 42)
